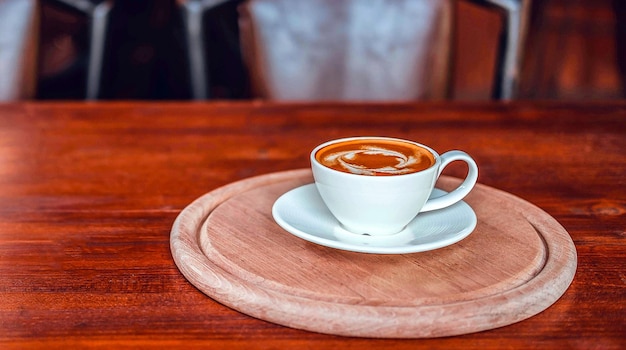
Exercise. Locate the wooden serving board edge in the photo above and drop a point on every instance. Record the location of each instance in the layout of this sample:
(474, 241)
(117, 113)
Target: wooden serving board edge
(511, 306)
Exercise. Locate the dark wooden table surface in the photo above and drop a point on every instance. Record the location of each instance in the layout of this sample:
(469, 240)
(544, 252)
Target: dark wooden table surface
(89, 192)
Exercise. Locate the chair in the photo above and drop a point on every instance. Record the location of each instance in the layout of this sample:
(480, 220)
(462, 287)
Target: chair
(201, 49)
(192, 16)
(365, 50)
(18, 50)
(511, 50)
(354, 49)
(98, 13)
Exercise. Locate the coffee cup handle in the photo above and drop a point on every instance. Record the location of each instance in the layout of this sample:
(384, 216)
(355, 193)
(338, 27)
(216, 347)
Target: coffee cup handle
(464, 188)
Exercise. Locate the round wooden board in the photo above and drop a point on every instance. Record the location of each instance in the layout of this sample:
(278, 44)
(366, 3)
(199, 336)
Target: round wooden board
(516, 263)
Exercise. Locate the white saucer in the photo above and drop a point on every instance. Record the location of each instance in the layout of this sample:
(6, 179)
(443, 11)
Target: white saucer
(302, 213)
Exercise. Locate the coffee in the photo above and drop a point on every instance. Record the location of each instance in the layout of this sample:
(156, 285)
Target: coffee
(375, 157)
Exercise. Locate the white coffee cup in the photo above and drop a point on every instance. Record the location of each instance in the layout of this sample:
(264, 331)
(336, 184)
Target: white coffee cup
(384, 203)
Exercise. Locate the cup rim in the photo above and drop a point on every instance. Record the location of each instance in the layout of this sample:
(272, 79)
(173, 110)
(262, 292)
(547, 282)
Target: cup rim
(434, 153)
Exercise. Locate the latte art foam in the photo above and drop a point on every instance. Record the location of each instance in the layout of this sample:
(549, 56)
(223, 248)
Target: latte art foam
(393, 162)
(375, 157)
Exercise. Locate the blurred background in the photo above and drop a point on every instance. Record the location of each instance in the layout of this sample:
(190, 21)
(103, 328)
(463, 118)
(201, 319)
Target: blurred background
(574, 50)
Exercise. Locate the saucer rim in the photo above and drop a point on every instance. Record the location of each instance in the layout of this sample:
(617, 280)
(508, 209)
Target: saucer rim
(346, 246)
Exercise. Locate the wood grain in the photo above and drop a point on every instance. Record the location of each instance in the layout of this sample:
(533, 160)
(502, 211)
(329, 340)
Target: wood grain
(89, 193)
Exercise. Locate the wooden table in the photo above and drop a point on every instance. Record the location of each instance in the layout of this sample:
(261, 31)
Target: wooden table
(89, 192)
